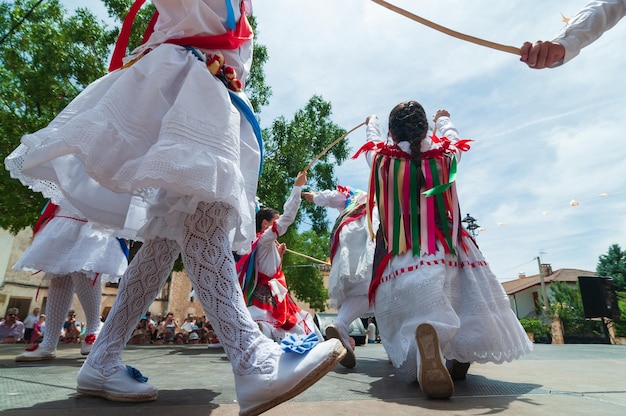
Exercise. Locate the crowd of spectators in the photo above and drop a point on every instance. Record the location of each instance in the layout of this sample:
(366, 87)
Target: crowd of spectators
(158, 330)
(166, 330)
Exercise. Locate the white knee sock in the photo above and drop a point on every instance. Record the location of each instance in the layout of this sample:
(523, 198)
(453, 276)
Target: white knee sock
(60, 293)
(352, 307)
(89, 292)
(210, 265)
(139, 286)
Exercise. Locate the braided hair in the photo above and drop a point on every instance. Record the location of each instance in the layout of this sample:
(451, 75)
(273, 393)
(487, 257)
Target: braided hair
(408, 123)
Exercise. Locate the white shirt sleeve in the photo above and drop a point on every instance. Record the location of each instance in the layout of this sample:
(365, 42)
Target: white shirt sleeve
(330, 198)
(268, 260)
(372, 133)
(595, 18)
(446, 128)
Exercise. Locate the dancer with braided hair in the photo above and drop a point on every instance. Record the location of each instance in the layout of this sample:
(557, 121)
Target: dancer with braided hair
(434, 296)
(166, 149)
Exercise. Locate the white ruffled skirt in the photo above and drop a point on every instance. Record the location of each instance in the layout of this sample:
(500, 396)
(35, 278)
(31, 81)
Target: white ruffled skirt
(460, 297)
(139, 148)
(68, 244)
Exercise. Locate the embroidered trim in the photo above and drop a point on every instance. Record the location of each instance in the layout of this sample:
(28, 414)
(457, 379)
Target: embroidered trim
(422, 263)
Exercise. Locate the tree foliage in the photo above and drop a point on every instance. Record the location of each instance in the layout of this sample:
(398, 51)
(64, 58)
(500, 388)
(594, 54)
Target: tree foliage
(613, 264)
(567, 302)
(289, 147)
(44, 64)
(53, 56)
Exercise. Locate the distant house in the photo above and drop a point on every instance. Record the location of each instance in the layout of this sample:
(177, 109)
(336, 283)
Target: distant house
(525, 293)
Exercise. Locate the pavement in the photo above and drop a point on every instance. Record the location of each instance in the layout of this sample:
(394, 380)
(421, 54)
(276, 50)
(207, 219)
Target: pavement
(570, 379)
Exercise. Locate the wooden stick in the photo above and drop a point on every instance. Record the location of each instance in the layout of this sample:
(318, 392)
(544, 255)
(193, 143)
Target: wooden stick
(505, 48)
(306, 257)
(329, 147)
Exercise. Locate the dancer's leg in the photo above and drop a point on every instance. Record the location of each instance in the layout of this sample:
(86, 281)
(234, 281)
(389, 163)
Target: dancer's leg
(264, 375)
(89, 292)
(211, 267)
(60, 293)
(103, 373)
(351, 308)
(139, 286)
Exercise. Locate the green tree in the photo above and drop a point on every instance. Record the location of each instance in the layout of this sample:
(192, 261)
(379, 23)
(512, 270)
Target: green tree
(44, 64)
(613, 264)
(567, 302)
(53, 56)
(289, 147)
(305, 279)
(48, 60)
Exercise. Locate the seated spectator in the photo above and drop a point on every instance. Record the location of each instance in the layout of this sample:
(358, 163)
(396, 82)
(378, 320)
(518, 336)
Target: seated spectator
(193, 338)
(71, 329)
(36, 335)
(179, 339)
(11, 328)
(168, 329)
(212, 341)
(142, 334)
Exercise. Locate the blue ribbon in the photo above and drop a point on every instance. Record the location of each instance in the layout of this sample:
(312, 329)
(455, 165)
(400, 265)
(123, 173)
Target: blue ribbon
(230, 16)
(299, 344)
(136, 374)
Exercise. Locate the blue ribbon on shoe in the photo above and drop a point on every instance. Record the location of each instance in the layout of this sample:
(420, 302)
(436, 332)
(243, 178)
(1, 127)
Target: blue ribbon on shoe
(299, 344)
(136, 374)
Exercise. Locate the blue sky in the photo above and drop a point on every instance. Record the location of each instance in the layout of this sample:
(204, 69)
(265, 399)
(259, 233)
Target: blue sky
(542, 138)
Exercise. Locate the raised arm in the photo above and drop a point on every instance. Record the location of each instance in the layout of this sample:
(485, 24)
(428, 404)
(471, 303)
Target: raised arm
(595, 18)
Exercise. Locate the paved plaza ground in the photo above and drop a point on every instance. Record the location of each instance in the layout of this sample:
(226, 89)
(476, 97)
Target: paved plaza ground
(571, 379)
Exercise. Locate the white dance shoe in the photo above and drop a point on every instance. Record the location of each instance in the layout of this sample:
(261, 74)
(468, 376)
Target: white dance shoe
(340, 333)
(294, 373)
(433, 376)
(36, 354)
(119, 387)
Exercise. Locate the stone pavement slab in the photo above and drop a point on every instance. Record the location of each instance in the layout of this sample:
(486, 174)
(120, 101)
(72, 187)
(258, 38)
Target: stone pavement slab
(569, 379)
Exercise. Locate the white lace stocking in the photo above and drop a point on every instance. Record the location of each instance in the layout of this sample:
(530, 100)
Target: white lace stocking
(89, 292)
(210, 265)
(60, 293)
(139, 286)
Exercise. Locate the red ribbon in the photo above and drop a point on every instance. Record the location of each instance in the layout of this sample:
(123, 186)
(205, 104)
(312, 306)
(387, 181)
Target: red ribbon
(122, 41)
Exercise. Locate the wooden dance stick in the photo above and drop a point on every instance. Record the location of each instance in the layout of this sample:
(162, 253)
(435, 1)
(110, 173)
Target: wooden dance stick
(329, 147)
(306, 257)
(505, 48)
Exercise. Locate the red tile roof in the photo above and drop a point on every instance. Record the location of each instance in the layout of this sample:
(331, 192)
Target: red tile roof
(561, 275)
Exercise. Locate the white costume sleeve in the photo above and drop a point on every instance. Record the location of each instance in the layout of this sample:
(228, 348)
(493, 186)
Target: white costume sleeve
(372, 132)
(268, 260)
(445, 127)
(330, 198)
(595, 18)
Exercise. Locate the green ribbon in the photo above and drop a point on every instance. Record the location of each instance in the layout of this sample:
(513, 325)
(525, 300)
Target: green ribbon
(439, 189)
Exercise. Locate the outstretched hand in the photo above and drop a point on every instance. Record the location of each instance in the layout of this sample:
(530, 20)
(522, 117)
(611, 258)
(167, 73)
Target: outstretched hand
(367, 120)
(300, 179)
(441, 113)
(308, 196)
(541, 55)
